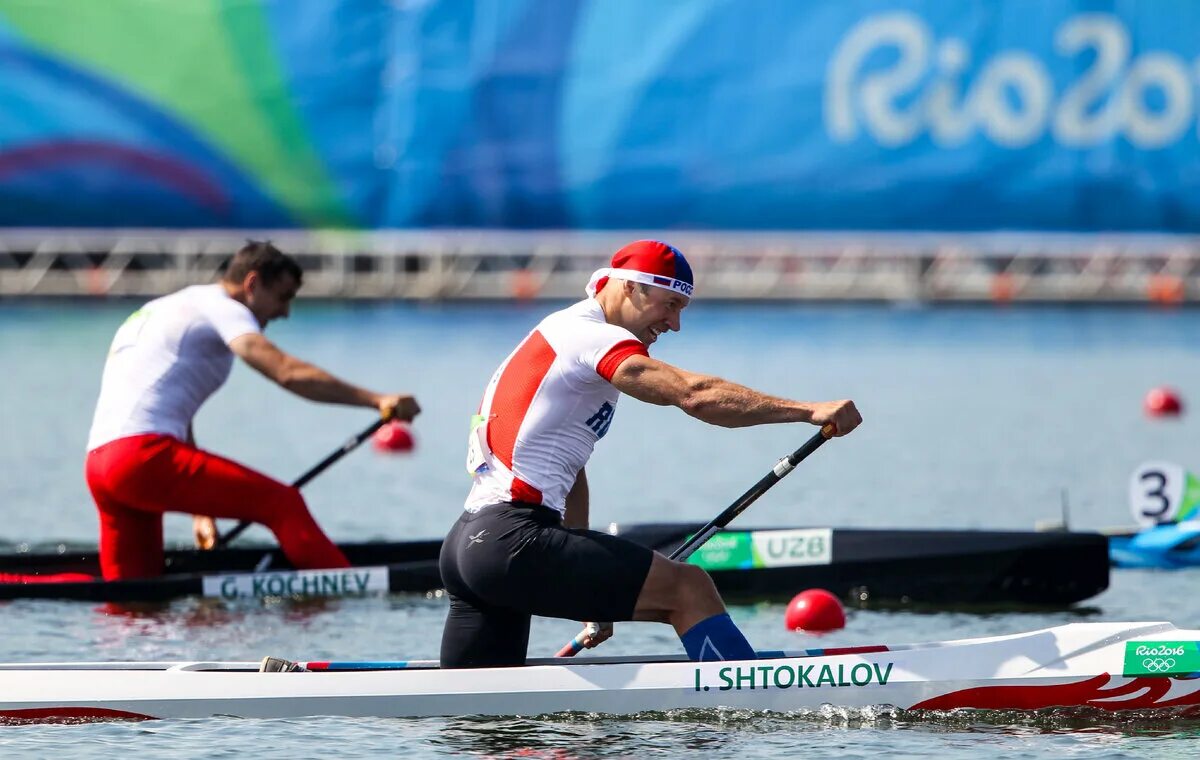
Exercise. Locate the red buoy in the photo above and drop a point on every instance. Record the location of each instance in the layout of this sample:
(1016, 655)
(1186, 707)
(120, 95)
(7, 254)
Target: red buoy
(394, 436)
(1163, 402)
(814, 609)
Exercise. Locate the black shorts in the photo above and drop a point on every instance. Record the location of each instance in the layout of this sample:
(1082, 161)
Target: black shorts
(507, 562)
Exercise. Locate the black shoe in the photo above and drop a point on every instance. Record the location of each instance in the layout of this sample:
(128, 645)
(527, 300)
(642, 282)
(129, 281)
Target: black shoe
(280, 665)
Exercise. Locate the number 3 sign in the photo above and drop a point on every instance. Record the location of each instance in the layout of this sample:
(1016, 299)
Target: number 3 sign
(1162, 492)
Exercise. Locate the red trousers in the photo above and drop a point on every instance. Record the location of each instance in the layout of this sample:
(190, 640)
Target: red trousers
(135, 480)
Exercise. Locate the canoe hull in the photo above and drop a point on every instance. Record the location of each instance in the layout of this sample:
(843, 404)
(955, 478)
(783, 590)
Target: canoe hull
(1163, 547)
(936, 568)
(1105, 666)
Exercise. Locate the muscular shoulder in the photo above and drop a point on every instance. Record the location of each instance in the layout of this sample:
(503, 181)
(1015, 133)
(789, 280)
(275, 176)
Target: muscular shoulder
(586, 343)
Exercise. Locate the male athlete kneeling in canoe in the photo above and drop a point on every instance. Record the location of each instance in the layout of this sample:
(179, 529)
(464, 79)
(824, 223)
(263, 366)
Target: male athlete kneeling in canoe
(164, 362)
(522, 547)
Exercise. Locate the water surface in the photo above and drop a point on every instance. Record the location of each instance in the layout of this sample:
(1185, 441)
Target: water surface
(974, 418)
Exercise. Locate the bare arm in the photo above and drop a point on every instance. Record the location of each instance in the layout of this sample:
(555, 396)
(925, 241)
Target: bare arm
(577, 503)
(721, 402)
(313, 383)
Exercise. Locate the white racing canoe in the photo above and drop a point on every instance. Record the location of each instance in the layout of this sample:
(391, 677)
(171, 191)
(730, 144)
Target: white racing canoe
(1110, 666)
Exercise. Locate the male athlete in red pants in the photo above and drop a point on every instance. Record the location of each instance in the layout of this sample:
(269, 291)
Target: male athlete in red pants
(165, 361)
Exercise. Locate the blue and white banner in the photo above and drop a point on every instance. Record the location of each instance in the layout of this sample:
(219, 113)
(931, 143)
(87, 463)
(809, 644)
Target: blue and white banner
(762, 114)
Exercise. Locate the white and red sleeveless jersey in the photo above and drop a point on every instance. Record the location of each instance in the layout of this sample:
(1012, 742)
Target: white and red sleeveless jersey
(545, 408)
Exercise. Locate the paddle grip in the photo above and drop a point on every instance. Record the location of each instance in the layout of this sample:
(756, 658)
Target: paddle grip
(575, 646)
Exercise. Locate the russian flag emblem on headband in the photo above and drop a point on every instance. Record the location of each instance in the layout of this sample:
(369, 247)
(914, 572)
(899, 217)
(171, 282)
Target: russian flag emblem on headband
(649, 262)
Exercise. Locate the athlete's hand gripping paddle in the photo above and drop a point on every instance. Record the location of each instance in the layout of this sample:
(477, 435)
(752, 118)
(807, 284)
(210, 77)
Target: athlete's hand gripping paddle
(777, 473)
(579, 643)
(350, 445)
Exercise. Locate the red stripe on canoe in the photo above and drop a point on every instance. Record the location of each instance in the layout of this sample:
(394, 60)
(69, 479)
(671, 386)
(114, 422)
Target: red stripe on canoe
(68, 714)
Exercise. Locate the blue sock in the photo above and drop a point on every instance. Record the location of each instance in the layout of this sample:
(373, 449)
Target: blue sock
(716, 638)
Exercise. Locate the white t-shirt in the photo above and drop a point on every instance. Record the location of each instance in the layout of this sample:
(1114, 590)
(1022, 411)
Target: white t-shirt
(545, 408)
(165, 360)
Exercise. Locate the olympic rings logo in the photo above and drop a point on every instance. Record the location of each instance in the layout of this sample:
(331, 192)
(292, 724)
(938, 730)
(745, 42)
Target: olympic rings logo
(1158, 664)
